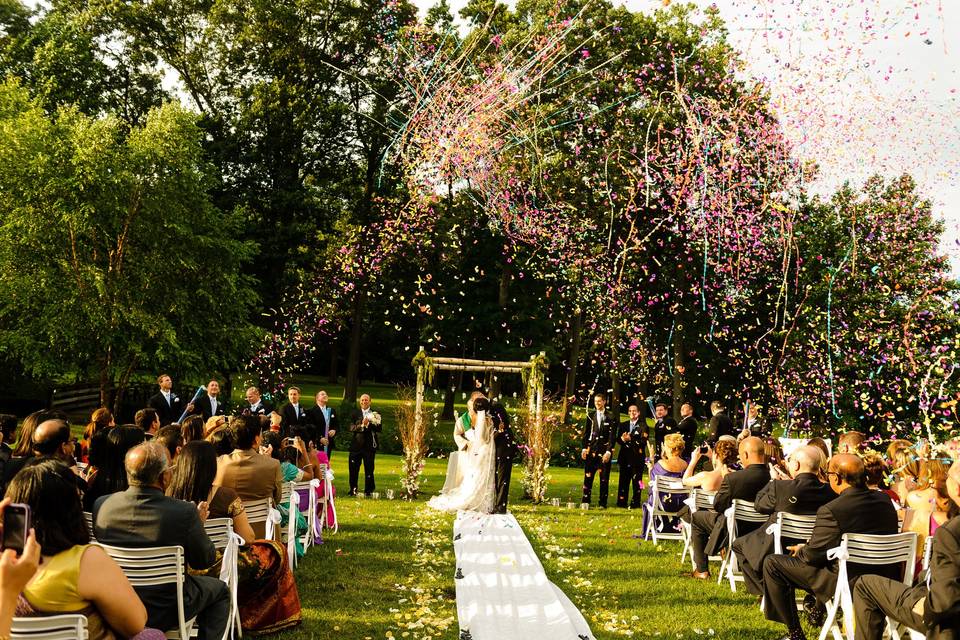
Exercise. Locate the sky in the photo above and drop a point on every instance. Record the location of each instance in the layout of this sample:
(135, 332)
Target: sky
(861, 87)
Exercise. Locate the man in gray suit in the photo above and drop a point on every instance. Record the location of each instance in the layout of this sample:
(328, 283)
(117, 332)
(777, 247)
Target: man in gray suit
(142, 516)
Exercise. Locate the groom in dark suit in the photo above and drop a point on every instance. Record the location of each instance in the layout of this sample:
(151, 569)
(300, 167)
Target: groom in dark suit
(599, 432)
(506, 445)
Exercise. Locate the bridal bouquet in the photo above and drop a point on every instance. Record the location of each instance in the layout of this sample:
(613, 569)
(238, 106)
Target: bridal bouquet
(375, 418)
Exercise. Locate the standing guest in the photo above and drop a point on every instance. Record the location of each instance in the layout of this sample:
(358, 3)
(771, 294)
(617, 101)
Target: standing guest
(723, 459)
(597, 440)
(166, 403)
(365, 424)
(74, 576)
(851, 442)
(671, 465)
(170, 437)
(110, 475)
(267, 592)
(142, 516)
(255, 404)
(252, 475)
(720, 423)
(801, 494)
(100, 422)
(663, 426)
(632, 437)
(191, 429)
(293, 413)
(932, 606)
(709, 531)
(755, 425)
(209, 405)
(855, 510)
(149, 421)
(687, 428)
(324, 419)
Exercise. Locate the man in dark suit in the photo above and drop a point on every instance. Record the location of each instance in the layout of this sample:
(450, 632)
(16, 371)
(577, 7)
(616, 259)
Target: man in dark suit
(166, 403)
(857, 509)
(756, 425)
(598, 434)
(505, 443)
(323, 419)
(293, 413)
(720, 423)
(664, 425)
(687, 427)
(141, 517)
(632, 437)
(709, 530)
(209, 405)
(365, 427)
(804, 494)
(255, 405)
(931, 608)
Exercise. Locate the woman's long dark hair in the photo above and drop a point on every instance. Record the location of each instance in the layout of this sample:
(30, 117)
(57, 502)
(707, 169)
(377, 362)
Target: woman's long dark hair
(48, 486)
(109, 453)
(194, 472)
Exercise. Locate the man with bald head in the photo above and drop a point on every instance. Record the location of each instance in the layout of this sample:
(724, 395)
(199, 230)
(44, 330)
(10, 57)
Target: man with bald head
(932, 606)
(709, 530)
(142, 516)
(857, 509)
(51, 438)
(803, 494)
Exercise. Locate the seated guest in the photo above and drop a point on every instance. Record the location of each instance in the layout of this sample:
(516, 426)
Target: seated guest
(671, 465)
(929, 505)
(275, 421)
(709, 531)
(252, 475)
(876, 468)
(24, 448)
(272, 446)
(905, 469)
(722, 458)
(851, 442)
(821, 444)
(803, 494)
(267, 593)
(932, 605)
(8, 431)
(110, 474)
(100, 422)
(222, 440)
(169, 436)
(15, 573)
(74, 576)
(148, 420)
(191, 429)
(51, 438)
(141, 517)
(855, 510)
(775, 460)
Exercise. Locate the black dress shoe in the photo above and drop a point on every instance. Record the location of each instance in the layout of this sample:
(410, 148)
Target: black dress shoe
(815, 610)
(795, 635)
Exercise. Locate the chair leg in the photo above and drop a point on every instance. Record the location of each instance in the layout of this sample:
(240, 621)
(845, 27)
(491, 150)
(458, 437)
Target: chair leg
(830, 620)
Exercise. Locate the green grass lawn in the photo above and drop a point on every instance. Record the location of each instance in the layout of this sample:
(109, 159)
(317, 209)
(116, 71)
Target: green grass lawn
(389, 571)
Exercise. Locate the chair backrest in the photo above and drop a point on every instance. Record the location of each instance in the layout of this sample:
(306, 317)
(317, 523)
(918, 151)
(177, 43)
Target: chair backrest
(703, 500)
(795, 527)
(667, 486)
(285, 493)
(88, 518)
(258, 510)
(883, 550)
(65, 627)
(744, 512)
(219, 530)
(927, 552)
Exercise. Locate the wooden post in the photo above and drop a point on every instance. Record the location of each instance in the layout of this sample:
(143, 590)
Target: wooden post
(418, 410)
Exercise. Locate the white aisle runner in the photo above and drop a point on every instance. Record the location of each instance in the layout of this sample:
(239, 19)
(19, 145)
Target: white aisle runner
(502, 590)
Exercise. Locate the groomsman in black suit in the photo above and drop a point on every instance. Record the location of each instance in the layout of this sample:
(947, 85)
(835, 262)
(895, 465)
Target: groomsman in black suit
(687, 428)
(664, 425)
(632, 437)
(293, 413)
(323, 419)
(598, 439)
(209, 405)
(720, 423)
(255, 404)
(166, 403)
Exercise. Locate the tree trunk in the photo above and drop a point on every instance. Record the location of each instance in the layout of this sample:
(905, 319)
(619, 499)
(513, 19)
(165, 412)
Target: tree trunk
(679, 369)
(352, 382)
(333, 378)
(573, 360)
(615, 397)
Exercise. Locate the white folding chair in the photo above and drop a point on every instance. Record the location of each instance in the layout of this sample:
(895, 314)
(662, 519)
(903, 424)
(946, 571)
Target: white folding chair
(325, 502)
(870, 550)
(308, 487)
(65, 627)
(792, 527)
(155, 566)
(699, 500)
(896, 629)
(662, 487)
(739, 511)
(263, 511)
(227, 542)
(88, 518)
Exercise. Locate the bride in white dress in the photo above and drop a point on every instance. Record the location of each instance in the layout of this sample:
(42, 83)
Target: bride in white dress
(475, 467)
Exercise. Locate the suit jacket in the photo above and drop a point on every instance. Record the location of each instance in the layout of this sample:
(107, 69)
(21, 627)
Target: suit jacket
(319, 426)
(252, 475)
(263, 408)
(853, 511)
(721, 425)
(688, 429)
(204, 408)
(168, 413)
(144, 517)
(941, 611)
(632, 453)
(292, 418)
(504, 440)
(804, 495)
(598, 439)
(739, 485)
(759, 428)
(661, 428)
(363, 439)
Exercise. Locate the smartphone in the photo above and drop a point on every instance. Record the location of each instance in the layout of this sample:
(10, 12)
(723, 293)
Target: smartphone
(703, 448)
(16, 526)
